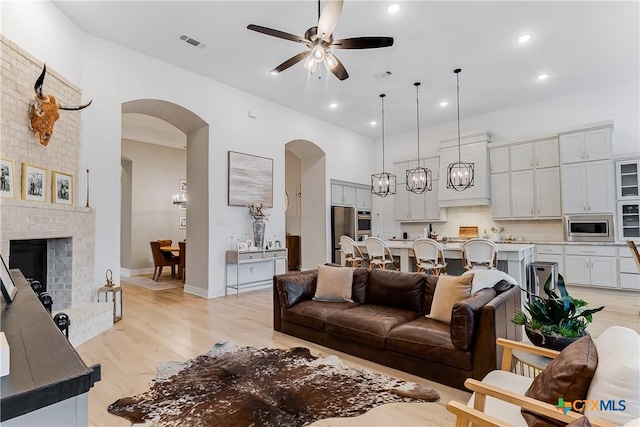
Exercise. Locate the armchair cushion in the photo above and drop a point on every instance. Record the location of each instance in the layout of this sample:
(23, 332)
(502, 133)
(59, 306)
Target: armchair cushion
(617, 376)
(395, 289)
(449, 290)
(334, 284)
(568, 376)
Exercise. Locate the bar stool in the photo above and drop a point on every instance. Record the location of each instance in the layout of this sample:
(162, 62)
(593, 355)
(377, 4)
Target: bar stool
(429, 256)
(479, 253)
(352, 254)
(379, 253)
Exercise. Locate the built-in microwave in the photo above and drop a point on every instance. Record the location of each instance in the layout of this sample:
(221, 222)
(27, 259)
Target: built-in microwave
(588, 228)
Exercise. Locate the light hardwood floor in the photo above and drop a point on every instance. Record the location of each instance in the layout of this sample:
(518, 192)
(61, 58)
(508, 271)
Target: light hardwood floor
(171, 325)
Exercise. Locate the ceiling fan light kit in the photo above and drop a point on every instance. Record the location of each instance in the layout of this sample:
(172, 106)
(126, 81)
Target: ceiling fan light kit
(384, 183)
(459, 174)
(418, 179)
(320, 39)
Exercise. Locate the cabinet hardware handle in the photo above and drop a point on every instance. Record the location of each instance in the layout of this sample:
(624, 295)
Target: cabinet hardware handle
(587, 155)
(537, 163)
(530, 163)
(531, 211)
(538, 211)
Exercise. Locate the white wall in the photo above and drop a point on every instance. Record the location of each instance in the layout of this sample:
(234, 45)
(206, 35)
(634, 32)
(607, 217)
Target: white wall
(111, 74)
(293, 217)
(619, 103)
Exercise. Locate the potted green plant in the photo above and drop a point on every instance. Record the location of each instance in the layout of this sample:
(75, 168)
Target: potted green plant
(557, 320)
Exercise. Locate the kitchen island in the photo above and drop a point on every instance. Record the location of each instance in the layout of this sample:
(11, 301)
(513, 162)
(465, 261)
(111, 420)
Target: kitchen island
(513, 258)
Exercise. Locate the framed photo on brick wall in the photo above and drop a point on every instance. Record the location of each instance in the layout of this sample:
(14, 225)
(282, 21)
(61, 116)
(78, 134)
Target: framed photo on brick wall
(34, 180)
(61, 188)
(6, 178)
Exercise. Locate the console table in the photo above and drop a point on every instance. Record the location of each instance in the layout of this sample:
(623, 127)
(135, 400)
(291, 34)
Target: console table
(48, 381)
(247, 268)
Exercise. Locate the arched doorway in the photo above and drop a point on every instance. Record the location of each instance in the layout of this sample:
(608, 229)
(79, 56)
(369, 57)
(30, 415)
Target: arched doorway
(306, 186)
(196, 131)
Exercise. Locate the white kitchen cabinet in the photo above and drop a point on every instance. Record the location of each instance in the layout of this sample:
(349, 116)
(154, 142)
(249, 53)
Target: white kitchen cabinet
(589, 145)
(628, 220)
(522, 194)
(548, 193)
(629, 274)
(499, 159)
(628, 179)
(343, 195)
(433, 164)
(591, 265)
(432, 210)
(500, 195)
(363, 199)
(479, 193)
(587, 187)
(411, 207)
(521, 157)
(547, 154)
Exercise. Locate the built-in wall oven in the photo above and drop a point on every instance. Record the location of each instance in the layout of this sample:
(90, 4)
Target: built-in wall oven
(363, 224)
(588, 228)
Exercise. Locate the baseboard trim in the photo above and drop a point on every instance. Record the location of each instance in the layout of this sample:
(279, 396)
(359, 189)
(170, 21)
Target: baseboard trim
(126, 272)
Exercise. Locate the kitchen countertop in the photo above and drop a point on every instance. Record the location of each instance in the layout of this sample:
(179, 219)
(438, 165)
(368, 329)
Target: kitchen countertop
(533, 242)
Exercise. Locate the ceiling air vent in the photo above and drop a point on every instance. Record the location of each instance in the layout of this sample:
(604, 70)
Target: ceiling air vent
(193, 42)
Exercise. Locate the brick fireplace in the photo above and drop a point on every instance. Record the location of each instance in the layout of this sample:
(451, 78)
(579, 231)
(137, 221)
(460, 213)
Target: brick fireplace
(69, 230)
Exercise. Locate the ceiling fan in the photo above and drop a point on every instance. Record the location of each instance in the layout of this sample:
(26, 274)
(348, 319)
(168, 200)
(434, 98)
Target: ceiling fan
(319, 40)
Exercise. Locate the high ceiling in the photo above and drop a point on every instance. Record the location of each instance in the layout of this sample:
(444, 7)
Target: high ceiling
(580, 45)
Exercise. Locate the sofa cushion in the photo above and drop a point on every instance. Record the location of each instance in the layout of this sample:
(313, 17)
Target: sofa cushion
(334, 284)
(465, 318)
(313, 314)
(429, 289)
(396, 289)
(428, 339)
(367, 324)
(617, 376)
(359, 287)
(568, 376)
(449, 290)
(487, 279)
(296, 287)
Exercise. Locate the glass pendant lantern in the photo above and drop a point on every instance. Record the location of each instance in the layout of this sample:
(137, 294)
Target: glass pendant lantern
(459, 174)
(384, 183)
(419, 178)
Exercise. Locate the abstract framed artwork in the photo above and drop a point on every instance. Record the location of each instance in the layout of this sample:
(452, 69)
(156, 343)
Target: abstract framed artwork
(6, 178)
(61, 188)
(250, 180)
(33, 183)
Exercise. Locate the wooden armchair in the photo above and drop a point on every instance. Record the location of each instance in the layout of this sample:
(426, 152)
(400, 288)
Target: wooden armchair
(499, 405)
(159, 260)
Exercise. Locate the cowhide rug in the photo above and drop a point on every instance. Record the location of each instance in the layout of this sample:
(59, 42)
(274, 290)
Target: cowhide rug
(248, 386)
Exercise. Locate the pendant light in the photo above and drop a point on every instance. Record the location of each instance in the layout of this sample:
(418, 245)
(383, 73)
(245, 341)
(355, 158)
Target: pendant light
(384, 183)
(459, 174)
(418, 179)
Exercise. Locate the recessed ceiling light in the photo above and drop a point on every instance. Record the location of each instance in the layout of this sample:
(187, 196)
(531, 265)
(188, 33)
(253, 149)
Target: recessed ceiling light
(524, 38)
(543, 77)
(444, 103)
(373, 123)
(333, 105)
(394, 8)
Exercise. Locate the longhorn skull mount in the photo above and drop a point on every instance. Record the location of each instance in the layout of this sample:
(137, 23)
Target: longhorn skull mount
(44, 111)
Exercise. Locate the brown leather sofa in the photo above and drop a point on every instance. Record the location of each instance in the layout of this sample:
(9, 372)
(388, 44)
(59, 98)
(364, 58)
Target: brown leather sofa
(386, 323)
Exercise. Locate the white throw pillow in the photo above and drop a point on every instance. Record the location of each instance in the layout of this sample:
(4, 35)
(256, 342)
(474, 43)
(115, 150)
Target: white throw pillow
(617, 377)
(487, 279)
(334, 284)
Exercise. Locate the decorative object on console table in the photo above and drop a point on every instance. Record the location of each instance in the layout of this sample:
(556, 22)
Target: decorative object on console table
(557, 321)
(459, 174)
(61, 188)
(111, 293)
(250, 180)
(258, 212)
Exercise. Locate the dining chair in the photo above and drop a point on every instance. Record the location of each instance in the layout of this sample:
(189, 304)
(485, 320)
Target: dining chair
(182, 270)
(379, 253)
(429, 256)
(163, 243)
(479, 253)
(160, 260)
(352, 254)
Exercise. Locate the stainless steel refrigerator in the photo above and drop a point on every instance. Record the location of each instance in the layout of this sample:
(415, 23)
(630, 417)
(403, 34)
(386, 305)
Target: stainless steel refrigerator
(343, 223)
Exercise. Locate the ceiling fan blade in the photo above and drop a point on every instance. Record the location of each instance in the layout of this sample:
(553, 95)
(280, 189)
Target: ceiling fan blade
(277, 33)
(291, 61)
(363, 43)
(339, 71)
(329, 18)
